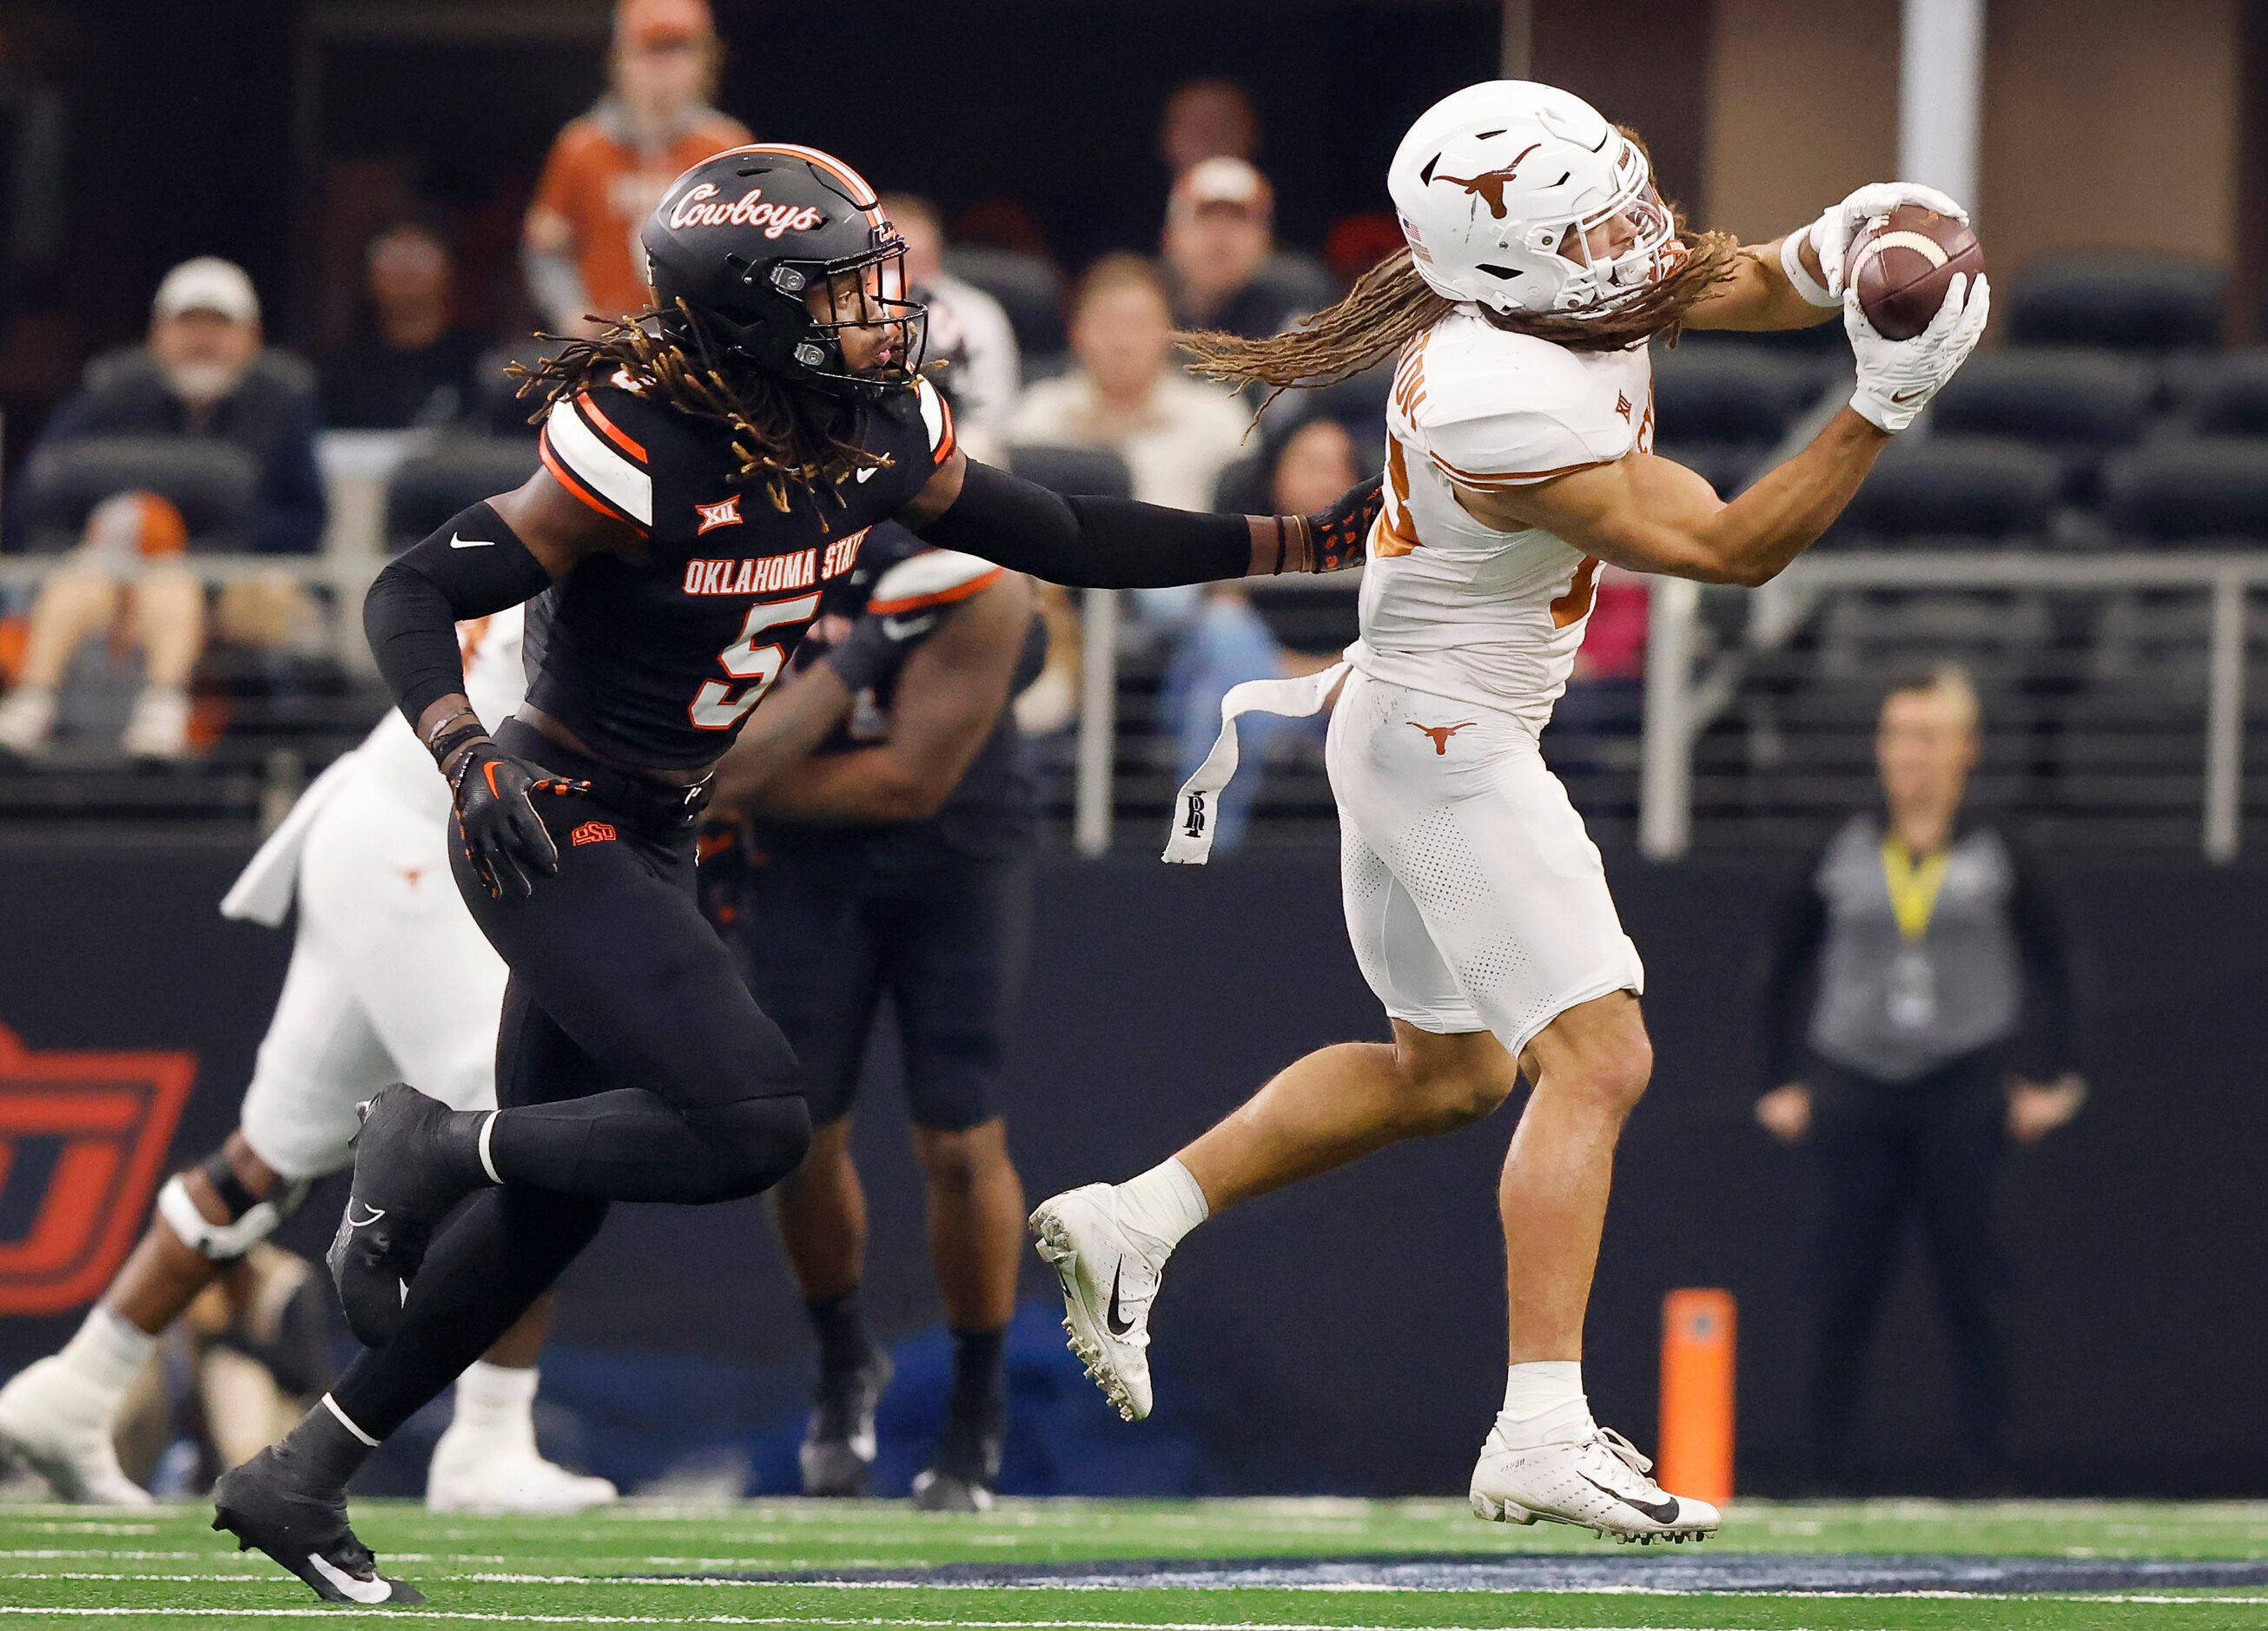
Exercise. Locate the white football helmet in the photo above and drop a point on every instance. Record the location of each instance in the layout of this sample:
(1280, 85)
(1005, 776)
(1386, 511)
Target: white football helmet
(1522, 197)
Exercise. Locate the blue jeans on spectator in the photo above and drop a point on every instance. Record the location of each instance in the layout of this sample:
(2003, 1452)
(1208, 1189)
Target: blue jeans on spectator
(1227, 642)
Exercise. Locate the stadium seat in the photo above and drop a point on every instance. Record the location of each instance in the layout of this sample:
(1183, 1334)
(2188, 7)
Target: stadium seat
(2120, 302)
(2226, 394)
(213, 484)
(2078, 404)
(427, 489)
(1928, 490)
(1028, 289)
(1078, 471)
(2196, 491)
(1732, 395)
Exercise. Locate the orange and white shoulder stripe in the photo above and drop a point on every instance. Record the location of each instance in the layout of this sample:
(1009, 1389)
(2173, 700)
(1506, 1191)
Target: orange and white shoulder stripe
(1489, 480)
(937, 419)
(934, 578)
(594, 458)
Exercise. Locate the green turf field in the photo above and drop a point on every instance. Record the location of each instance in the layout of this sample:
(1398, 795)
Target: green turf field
(1094, 1565)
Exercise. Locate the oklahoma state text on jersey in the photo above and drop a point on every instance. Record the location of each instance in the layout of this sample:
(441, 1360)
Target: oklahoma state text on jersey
(659, 661)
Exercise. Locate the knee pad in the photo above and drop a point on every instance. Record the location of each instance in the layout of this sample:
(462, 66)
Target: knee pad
(249, 1221)
(753, 1143)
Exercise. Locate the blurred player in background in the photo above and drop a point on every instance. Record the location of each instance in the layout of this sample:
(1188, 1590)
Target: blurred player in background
(1945, 1024)
(896, 860)
(389, 979)
(1540, 261)
(607, 169)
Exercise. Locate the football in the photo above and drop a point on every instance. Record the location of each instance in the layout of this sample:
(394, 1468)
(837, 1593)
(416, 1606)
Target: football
(1900, 263)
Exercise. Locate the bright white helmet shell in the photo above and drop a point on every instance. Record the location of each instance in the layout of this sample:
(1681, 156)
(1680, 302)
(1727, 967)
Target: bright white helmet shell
(1504, 188)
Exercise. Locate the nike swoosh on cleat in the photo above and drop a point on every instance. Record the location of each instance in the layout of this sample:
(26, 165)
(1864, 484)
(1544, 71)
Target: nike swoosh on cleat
(458, 541)
(356, 1590)
(1118, 1327)
(376, 1212)
(1659, 1511)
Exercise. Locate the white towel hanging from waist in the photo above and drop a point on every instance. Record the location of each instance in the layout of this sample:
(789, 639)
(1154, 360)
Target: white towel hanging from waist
(1190, 842)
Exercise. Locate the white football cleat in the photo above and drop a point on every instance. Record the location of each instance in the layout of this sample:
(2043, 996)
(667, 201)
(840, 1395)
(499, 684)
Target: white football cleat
(1109, 1275)
(472, 1472)
(1598, 1483)
(57, 1423)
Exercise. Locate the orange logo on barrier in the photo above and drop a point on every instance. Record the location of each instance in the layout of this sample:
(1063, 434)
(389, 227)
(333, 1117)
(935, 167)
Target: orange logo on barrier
(82, 1142)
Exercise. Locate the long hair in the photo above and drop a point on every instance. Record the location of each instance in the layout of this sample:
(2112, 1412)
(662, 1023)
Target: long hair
(1390, 304)
(784, 435)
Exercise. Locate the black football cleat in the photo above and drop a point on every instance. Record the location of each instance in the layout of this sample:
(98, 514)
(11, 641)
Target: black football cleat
(838, 1448)
(964, 1466)
(302, 1528)
(404, 1184)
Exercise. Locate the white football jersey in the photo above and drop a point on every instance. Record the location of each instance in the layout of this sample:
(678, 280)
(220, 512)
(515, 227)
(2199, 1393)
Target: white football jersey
(496, 680)
(1456, 609)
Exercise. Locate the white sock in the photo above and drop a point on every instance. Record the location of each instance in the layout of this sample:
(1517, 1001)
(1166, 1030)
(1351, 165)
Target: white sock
(108, 1350)
(1543, 1403)
(1164, 1202)
(494, 1401)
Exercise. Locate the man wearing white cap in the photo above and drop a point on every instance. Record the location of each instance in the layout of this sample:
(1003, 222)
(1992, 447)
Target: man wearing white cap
(1219, 233)
(202, 374)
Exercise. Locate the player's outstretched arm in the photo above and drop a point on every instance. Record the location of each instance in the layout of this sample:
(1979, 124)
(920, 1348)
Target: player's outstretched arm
(1116, 543)
(1796, 282)
(1653, 515)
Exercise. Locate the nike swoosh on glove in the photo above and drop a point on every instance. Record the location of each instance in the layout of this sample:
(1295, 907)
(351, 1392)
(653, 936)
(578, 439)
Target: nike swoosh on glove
(1897, 378)
(503, 836)
(1839, 224)
(1337, 537)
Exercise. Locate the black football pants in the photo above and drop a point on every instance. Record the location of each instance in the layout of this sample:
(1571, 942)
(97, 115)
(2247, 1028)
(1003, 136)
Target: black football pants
(631, 1065)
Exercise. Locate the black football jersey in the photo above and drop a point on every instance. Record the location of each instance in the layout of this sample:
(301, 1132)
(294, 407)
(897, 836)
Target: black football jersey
(661, 661)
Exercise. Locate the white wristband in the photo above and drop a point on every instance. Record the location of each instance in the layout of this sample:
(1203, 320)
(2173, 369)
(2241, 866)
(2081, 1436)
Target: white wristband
(1799, 275)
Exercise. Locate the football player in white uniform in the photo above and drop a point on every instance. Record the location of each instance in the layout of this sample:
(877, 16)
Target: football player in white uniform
(1540, 261)
(389, 980)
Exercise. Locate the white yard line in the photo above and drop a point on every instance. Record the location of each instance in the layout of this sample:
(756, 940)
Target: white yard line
(393, 1614)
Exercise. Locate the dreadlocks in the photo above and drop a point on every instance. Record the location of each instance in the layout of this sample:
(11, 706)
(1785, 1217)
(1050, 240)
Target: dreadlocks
(1390, 304)
(783, 437)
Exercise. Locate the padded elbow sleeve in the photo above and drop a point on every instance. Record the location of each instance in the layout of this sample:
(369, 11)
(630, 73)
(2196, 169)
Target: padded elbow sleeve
(474, 566)
(1088, 543)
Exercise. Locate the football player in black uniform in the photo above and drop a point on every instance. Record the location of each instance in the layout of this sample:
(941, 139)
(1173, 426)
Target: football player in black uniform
(897, 860)
(705, 475)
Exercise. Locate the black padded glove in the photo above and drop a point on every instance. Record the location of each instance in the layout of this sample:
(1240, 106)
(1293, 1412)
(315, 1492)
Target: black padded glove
(1336, 536)
(503, 836)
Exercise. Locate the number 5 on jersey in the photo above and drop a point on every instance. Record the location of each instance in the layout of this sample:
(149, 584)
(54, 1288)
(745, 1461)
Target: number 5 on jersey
(716, 706)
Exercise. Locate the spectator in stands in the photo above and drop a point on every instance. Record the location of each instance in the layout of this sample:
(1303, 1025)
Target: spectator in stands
(1202, 119)
(1942, 1027)
(967, 329)
(202, 374)
(612, 166)
(410, 364)
(1219, 234)
(1228, 641)
(1176, 434)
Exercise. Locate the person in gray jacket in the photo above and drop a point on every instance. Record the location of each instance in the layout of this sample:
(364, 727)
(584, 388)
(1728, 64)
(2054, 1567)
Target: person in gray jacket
(1942, 1027)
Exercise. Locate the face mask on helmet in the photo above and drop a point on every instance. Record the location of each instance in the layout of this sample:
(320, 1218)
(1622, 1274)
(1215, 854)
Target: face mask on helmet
(1619, 249)
(862, 335)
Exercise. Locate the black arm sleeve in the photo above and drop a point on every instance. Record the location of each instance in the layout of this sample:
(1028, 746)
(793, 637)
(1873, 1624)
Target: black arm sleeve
(1791, 960)
(474, 566)
(1088, 543)
(2049, 1042)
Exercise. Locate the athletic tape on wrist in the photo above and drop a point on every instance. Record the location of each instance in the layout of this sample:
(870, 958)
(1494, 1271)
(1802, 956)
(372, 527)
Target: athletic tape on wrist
(1799, 275)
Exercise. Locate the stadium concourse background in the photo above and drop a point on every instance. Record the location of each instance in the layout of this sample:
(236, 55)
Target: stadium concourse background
(1345, 1336)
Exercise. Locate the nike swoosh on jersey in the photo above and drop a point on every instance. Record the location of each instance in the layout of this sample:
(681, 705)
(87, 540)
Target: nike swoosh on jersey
(867, 472)
(1118, 1326)
(376, 1212)
(458, 541)
(1659, 1511)
(359, 1591)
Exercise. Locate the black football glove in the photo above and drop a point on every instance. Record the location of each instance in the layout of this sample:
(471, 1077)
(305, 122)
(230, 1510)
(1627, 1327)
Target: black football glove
(877, 645)
(1336, 536)
(503, 836)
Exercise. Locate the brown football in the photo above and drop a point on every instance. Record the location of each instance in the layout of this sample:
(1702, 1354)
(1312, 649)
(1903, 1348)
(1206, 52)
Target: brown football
(1900, 263)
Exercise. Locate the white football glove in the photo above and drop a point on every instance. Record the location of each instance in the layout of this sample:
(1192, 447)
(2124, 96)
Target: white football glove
(1830, 235)
(1896, 377)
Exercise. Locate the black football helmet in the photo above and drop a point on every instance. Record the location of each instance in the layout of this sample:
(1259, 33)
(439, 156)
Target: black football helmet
(743, 237)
